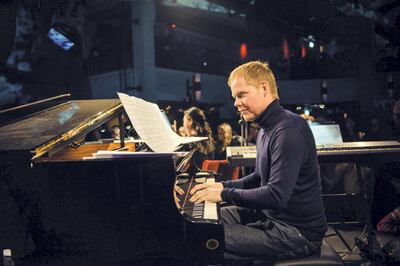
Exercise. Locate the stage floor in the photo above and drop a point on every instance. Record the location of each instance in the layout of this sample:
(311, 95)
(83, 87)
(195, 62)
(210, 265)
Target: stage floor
(343, 237)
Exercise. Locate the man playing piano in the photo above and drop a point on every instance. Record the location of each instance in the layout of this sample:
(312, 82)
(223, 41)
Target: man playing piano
(276, 212)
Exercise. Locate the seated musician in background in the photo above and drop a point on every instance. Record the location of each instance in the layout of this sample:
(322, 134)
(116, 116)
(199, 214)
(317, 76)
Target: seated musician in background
(396, 121)
(390, 223)
(277, 210)
(196, 125)
(225, 139)
(252, 135)
(341, 177)
(182, 131)
(387, 177)
(115, 132)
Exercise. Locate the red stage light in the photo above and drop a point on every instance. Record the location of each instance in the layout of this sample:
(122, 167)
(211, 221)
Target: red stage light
(243, 51)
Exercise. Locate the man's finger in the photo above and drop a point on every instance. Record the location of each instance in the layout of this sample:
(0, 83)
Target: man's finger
(196, 197)
(197, 188)
(197, 200)
(193, 198)
(179, 190)
(202, 198)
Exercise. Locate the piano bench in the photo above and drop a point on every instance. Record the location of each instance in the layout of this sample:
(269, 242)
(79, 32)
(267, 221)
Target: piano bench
(326, 257)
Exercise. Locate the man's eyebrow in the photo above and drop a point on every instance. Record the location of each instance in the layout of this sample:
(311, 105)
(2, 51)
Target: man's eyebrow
(240, 93)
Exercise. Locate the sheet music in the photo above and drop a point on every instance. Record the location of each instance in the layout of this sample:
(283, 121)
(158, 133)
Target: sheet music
(148, 122)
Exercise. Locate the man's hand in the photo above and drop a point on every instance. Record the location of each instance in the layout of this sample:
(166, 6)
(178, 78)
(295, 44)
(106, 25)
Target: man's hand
(206, 192)
(178, 190)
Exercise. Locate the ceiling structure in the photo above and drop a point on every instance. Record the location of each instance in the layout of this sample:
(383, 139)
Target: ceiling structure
(323, 19)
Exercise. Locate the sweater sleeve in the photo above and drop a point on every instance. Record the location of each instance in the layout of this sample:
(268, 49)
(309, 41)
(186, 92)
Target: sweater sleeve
(250, 181)
(287, 156)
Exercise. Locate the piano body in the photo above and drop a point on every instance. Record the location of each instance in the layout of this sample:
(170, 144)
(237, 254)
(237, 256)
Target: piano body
(57, 207)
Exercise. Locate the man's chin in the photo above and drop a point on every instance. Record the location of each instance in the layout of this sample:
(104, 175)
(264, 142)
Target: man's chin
(248, 118)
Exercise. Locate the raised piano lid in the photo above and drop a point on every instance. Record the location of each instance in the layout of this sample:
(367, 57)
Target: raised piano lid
(16, 113)
(53, 129)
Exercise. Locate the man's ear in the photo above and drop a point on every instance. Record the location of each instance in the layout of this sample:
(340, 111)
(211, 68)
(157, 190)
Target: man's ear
(265, 87)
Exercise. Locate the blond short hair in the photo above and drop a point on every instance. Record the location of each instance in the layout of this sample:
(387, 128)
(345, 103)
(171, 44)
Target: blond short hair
(255, 72)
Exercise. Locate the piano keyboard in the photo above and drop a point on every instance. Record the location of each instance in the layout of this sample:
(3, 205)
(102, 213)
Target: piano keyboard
(360, 147)
(241, 155)
(242, 151)
(342, 152)
(205, 211)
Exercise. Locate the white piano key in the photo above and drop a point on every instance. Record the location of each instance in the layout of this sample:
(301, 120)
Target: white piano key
(210, 208)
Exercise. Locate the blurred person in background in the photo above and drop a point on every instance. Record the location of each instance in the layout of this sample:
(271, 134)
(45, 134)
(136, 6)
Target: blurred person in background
(115, 132)
(182, 131)
(196, 125)
(224, 139)
(252, 135)
(396, 121)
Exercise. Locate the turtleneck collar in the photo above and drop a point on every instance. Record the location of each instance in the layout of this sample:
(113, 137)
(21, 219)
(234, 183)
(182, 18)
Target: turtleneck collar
(269, 116)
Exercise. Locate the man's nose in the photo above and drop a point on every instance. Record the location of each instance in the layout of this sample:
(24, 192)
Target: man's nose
(237, 102)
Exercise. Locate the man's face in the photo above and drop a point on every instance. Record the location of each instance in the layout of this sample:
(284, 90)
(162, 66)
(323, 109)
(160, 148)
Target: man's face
(249, 100)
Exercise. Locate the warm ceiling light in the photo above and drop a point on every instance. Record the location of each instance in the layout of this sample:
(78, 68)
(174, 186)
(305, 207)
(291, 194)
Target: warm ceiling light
(243, 50)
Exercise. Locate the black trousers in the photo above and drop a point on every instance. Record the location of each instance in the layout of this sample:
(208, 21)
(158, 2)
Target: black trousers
(251, 235)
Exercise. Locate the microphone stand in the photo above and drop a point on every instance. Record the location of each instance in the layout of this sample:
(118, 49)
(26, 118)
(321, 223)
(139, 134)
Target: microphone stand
(243, 132)
(243, 140)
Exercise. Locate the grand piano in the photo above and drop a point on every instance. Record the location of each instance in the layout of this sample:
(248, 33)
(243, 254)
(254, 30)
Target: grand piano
(60, 208)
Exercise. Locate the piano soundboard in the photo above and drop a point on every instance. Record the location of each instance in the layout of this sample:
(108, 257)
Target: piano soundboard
(361, 151)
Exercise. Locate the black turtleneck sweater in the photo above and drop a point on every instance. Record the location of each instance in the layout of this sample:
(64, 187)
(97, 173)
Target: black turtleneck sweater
(285, 183)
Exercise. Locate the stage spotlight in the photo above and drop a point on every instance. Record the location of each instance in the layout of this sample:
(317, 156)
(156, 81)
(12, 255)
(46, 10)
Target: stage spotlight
(62, 35)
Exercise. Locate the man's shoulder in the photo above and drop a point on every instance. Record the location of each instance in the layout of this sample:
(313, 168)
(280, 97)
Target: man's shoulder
(289, 120)
(292, 124)
(292, 115)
